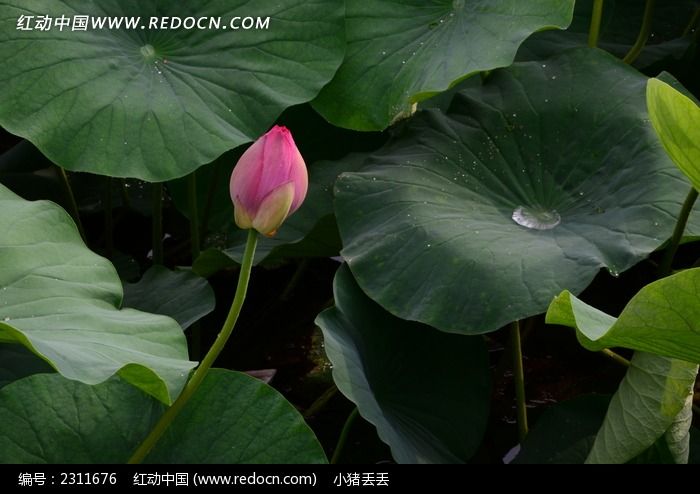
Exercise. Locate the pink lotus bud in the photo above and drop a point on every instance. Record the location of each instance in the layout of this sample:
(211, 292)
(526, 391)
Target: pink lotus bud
(269, 182)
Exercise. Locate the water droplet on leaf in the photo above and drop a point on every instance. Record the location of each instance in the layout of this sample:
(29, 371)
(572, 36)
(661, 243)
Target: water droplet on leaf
(536, 219)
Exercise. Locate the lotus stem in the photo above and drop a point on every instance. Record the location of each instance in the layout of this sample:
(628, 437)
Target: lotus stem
(666, 265)
(194, 214)
(693, 21)
(198, 377)
(594, 31)
(519, 379)
(157, 223)
(343, 439)
(643, 33)
(71, 201)
(126, 202)
(109, 218)
(615, 357)
(321, 401)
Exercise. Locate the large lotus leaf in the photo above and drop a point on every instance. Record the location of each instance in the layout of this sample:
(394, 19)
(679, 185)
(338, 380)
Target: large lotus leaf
(676, 118)
(675, 131)
(17, 362)
(565, 432)
(233, 418)
(23, 157)
(427, 392)
(663, 318)
(50, 419)
(61, 301)
(158, 103)
(620, 25)
(182, 295)
(645, 408)
(469, 220)
(18, 171)
(677, 436)
(401, 52)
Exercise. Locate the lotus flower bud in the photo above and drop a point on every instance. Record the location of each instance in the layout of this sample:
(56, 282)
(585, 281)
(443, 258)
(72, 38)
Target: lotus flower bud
(269, 182)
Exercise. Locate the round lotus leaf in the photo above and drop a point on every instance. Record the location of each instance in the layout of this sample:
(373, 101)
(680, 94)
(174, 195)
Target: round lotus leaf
(152, 100)
(528, 185)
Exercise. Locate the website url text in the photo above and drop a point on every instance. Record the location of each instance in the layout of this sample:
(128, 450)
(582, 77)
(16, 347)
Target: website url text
(95, 23)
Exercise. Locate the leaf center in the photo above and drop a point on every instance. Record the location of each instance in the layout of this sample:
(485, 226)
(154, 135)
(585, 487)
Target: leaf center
(148, 52)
